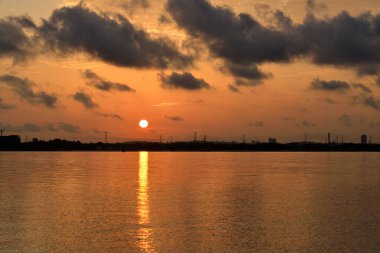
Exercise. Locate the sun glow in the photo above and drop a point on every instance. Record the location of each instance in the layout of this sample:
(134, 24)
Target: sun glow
(144, 123)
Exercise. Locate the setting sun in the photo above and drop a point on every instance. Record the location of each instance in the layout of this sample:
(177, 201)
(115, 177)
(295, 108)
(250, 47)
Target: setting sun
(144, 123)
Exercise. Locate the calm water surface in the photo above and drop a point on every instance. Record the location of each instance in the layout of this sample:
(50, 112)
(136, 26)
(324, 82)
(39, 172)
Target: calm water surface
(189, 202)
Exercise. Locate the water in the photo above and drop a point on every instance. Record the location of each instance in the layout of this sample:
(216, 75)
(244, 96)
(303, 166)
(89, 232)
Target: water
(189, 202)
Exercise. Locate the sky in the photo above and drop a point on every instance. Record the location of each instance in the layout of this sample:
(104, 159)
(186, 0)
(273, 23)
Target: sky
(225, 69)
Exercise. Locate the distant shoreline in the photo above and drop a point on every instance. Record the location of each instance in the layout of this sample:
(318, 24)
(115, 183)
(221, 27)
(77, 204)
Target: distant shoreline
(63, 145)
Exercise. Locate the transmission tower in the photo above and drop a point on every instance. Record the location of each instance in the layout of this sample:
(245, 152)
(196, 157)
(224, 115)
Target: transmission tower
(105, 137)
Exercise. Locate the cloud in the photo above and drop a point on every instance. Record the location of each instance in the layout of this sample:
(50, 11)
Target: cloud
(4, 106)
(24, 21)
(336, 86)
(175, 118)
(330, 101)
(362, 87)
(368, 101)
(111, 38)
(101, 84)
(29, 127)
(133, 4)
(85, 100)
(110, 115)
(233, 88)
(14, 42)
(238, 38)
(24, 89)
(68, 128)
(39, 128)
(185, 81)
(257, 124)
(312, 6)
(249, 75)
(343, 40)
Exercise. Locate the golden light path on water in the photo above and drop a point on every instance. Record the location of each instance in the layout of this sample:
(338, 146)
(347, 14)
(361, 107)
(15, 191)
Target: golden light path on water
(145, 240)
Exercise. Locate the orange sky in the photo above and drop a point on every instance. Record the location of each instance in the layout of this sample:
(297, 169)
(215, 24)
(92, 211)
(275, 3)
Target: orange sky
(283, 106)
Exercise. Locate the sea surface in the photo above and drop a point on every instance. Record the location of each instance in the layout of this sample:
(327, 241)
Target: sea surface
(189, 202)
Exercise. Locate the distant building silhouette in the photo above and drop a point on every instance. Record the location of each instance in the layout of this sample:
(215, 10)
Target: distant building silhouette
(10, 141)
(272, 140)
(364, 139)
(329, 138)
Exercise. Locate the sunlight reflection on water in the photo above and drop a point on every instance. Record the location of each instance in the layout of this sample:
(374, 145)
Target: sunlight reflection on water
(145, 241)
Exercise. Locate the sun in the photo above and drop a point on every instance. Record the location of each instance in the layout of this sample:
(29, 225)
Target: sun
(144, 123)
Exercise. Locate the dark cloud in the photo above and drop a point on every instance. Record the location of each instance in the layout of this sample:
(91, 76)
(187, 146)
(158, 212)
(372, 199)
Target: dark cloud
(247, 75)
(185, 81)
(175, 118)
(85, 100)
(23, 21)
(362, 87)
(233, 88)
(24, 89)
(4, 106)
(368, 101)
(112, 39)
(14, 42)
(312, 6)
(39, 128)
(342, 41)
(273, 18)
(256, 124)
(237, 38)
(368, 70)
(337, 86)
(110, 115)
(60, 127)
(101, 84)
